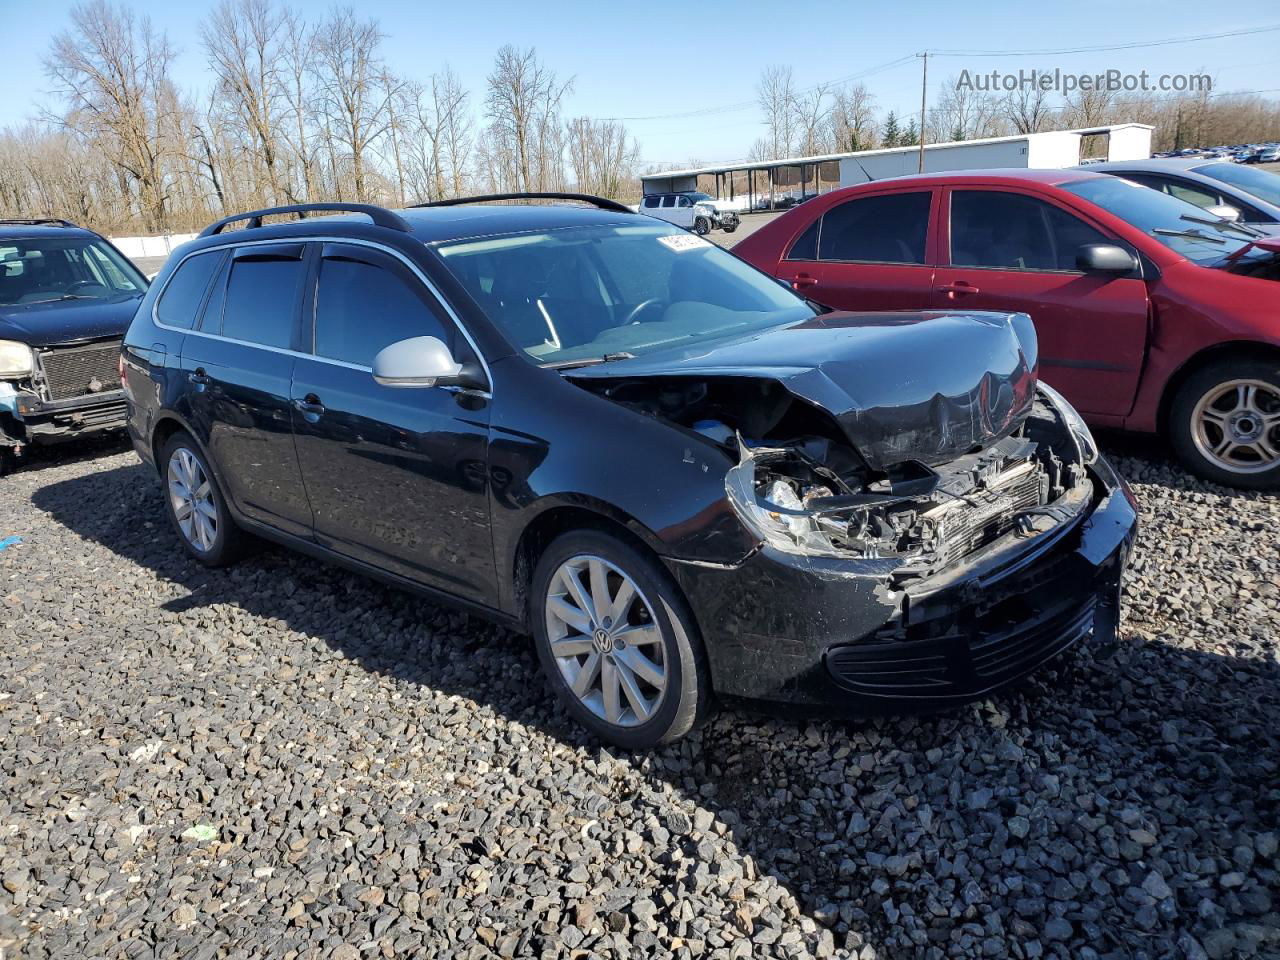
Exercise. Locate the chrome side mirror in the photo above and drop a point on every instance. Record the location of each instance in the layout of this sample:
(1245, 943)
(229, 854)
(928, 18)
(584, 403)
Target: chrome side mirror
(1105, 258)
(417, 362)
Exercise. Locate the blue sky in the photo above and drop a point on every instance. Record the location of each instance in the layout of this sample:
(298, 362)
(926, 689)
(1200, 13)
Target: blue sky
(660, 58)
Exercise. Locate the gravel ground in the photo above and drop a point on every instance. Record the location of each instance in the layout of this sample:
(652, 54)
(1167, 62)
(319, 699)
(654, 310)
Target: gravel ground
(286, 761)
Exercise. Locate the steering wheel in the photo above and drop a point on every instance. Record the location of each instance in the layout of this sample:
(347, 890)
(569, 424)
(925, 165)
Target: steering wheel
(639, 308)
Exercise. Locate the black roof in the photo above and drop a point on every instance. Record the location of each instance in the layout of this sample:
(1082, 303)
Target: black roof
(436, 224)
(17, 230)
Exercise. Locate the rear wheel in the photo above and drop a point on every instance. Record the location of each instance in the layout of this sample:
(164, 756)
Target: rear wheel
(702, 226)
(1225, 424)
(7, 460)
(617, 643)
(196, 506)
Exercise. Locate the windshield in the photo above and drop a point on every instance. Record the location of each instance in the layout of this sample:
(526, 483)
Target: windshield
(698, 197)
(1182, 227)
(45, 269)
(582, 294)
(1260, 183)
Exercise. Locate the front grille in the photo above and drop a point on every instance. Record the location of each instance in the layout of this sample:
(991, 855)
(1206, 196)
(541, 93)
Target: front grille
(80, 371)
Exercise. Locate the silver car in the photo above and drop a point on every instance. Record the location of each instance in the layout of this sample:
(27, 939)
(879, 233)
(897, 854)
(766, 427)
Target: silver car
(1209, 182)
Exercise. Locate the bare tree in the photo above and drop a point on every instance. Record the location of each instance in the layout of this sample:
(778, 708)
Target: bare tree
(811, 112)
(242, 40)
(776, 94)
(347, 70)
(852, 118)
(602, 156)
(963, 113)
(1027, 109)
(522, 103)
(112, 72)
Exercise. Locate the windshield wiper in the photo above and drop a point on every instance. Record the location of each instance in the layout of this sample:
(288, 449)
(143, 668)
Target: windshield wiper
(592, 361)
(1187, 235)
(1225, 224)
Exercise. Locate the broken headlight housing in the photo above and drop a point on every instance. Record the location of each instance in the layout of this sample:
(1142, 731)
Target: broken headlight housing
(783, 514)
(1087, 446)
(15, 359)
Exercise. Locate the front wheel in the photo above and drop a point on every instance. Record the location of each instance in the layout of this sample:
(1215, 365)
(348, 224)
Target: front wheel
(729, 227)
(1225, 424)
(702, 226)
(617, 642)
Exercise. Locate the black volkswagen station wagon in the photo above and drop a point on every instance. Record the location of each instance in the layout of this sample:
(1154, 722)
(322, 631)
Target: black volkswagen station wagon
(684, 480)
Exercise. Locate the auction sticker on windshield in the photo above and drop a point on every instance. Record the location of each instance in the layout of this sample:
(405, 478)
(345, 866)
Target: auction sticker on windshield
(683, 241)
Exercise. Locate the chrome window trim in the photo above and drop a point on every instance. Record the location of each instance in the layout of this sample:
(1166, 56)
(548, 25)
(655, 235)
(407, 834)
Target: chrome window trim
(422, 277)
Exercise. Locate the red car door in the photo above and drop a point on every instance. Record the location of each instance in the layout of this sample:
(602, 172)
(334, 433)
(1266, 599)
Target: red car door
(1005, 249)
(870, 253)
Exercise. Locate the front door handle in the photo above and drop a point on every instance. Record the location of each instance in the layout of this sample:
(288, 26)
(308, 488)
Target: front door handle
(959, 288)
(199, 377)
(309, 406)
(802, 280)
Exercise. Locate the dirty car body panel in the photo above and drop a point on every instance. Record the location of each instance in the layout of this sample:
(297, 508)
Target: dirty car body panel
(814, 482)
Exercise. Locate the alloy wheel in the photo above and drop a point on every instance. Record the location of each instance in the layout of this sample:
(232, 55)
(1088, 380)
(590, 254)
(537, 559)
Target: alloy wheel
(191, 498)
(605, 640)
(1236, 426)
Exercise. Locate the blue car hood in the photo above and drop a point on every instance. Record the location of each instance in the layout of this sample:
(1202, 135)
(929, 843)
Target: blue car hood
(927, 386)
(66, 321)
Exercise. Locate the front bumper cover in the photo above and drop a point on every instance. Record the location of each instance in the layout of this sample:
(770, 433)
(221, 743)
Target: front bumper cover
(49, 421)
(829, 632)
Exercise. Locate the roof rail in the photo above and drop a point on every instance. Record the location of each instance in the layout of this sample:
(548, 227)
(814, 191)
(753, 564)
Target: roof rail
(601, 202)
(381, 216)
(37, 221)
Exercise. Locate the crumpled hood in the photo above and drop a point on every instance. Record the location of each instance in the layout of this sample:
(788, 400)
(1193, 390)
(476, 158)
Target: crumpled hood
(66, 321)
(927, 386)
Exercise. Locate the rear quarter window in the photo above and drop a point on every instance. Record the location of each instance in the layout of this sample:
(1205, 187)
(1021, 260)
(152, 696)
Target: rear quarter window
(180, 303)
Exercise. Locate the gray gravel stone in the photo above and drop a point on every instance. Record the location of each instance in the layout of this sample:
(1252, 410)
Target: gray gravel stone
(283, 759)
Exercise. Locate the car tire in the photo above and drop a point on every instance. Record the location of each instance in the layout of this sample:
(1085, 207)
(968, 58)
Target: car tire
(702, 226)
(206, 529)
(583, 653)
(7, 461)
(729, 227)
(1225, 424)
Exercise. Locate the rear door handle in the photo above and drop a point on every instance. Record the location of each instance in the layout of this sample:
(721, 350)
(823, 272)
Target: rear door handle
(802, 280)
(309, 406)
(957, 288)
(199, 377)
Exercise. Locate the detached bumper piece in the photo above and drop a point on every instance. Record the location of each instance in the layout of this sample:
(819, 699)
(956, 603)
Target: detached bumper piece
(56, 420)
(953, 648)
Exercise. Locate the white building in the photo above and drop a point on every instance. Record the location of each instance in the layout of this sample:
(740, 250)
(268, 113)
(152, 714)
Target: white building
(759, 183)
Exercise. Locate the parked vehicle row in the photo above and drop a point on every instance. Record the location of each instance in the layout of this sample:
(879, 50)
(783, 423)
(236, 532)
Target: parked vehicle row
(688, 481)
(1153, 315)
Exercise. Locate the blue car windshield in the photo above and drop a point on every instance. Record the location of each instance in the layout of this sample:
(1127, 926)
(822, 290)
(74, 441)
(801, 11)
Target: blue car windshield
(580, 294)
(45, 269)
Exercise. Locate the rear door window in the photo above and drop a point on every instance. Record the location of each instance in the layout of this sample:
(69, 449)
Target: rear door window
(262, 294)
(1010, 231)
(183, 295)
(892, 228)
(366, 301)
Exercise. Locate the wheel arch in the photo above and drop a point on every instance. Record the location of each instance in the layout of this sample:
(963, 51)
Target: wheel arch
(542, 531)
(1243, 350)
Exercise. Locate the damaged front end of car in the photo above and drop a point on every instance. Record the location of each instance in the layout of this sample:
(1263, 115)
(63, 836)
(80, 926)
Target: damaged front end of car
(921, 518)
(932, 522)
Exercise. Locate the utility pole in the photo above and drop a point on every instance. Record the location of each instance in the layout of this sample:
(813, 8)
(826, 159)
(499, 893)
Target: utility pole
(924, 87)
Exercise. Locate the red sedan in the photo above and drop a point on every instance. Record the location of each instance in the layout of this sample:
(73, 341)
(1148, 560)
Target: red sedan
(1153, 315)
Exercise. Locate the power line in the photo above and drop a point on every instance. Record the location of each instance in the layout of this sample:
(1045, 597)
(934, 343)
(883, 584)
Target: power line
(1102, 48)
(888, 65)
